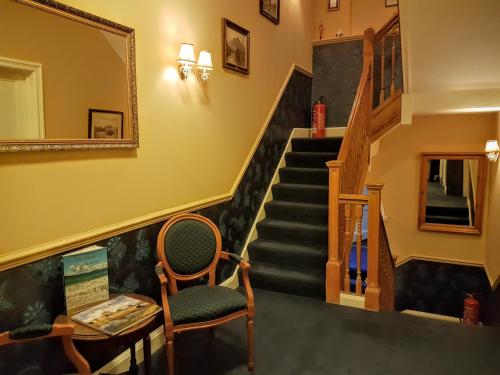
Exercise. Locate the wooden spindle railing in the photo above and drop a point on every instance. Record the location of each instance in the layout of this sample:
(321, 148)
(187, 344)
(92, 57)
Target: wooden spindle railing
(347, 177)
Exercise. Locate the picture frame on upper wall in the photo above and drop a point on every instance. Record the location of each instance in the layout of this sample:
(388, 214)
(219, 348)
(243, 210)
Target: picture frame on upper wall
(271, 10)
(105, 124)
(235, 47)
(391, 3)
(333, 5)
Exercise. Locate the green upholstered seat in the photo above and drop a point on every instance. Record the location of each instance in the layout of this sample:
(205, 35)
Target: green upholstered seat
(202, 303)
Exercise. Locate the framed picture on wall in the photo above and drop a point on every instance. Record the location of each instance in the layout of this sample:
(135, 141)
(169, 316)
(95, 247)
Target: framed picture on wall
(236, 47)
(333, 5)
(105, 124)
(271, 10)
(391, 3)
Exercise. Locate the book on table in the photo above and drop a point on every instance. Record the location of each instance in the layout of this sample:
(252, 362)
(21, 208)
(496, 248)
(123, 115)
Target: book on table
(117, 315)
(85, 278)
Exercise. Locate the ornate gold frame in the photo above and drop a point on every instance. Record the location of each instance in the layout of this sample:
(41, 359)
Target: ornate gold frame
(77, 15)
(480, 194)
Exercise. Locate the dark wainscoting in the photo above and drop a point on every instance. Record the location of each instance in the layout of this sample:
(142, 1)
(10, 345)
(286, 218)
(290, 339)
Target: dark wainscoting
(33, 293)
(337, 70)
(439, 288)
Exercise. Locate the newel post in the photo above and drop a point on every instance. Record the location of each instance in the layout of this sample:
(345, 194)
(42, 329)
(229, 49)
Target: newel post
(372, 293)
(333, 268)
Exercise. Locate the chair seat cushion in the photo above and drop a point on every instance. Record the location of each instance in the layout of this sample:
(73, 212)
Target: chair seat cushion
(202, 303)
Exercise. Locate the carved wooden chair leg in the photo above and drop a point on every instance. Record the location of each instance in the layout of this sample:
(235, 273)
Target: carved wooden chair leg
(170, 355)
(74, 356)
(250, 353)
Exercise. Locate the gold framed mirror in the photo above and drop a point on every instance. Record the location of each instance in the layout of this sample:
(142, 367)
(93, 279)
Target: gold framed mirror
(67, 79)
(452, 192)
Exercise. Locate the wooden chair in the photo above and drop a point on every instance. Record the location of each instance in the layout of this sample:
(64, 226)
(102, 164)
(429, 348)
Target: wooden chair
(189, 247)
(44, 331)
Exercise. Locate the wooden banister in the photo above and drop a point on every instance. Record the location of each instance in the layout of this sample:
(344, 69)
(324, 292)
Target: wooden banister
(372, 301)
(333, 269)
(384, 30)
(347, 177)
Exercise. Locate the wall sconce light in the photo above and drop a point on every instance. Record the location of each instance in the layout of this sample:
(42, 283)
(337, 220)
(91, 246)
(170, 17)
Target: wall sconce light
(492, 149)
(204, 65)
(187, 63)
(186, 60)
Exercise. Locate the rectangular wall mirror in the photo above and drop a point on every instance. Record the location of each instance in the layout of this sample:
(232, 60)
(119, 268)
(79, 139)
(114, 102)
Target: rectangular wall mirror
(452, 189)
(67, 79)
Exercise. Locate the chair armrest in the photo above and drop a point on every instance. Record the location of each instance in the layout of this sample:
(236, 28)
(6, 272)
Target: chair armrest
(160, 274)
(235, 259)
(245, 267)
(164, 300)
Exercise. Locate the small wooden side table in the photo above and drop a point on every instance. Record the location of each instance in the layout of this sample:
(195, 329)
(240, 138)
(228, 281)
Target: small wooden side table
(128, 338)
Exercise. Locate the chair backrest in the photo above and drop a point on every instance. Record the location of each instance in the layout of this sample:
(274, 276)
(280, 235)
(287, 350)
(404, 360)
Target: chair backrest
(189, 247)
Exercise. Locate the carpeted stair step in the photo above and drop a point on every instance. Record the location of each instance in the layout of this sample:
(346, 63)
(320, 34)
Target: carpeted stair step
(311, 176)
(308, 283)
(292, 232)
(309, 159)
(330, 144)
(442, 219)
(310, 213)
(300, 193)
(288, 255)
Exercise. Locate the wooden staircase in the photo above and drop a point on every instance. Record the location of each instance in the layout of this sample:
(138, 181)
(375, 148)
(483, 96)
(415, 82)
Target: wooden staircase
(347, 176)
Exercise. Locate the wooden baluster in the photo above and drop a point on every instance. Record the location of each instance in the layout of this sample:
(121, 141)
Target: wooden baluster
(372, 292)
(393, 78)
(359, 218)
(333, 268)
(348, 238)
(382, 70)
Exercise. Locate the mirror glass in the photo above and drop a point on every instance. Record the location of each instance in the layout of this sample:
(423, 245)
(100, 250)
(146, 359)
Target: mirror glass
(452, 189)
(63, 75)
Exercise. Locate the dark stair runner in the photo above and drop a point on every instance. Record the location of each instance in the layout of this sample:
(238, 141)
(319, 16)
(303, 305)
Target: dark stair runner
(291, 251)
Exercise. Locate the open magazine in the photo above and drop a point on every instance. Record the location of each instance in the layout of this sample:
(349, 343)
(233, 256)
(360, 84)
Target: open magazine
(117, 315)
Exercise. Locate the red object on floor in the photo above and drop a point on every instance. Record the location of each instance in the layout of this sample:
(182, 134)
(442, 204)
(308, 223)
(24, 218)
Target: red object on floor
(471, 310)
(319, 119)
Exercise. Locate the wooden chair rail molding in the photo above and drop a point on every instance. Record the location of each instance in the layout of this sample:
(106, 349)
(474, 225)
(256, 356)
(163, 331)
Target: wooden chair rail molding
(347, 177)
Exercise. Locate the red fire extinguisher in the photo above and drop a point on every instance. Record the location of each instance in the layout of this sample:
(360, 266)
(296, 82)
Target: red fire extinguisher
(319, 119)
(471, 310)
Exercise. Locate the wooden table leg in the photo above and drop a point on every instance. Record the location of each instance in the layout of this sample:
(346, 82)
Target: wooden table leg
(134, 369)
(146, 341)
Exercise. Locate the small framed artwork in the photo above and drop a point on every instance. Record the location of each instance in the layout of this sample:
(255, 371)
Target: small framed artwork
(333, 5)
(105, 124)
(271, 10)
(391, 3)
(236, 47)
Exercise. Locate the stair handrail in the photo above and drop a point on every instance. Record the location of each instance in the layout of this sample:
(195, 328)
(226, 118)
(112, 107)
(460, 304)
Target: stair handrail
(347, 175)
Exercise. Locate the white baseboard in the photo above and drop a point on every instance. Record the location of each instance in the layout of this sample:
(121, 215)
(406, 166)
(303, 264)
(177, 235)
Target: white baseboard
(352, 300)
(121, 363)
(422, 314)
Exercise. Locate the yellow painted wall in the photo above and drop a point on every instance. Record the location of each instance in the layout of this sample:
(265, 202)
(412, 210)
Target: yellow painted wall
(194, 139)
(450, 55)
(493, 243)
(397, 166)
(353, 17)
(80, 68)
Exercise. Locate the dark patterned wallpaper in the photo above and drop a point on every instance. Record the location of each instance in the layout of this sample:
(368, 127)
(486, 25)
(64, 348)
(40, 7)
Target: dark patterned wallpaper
(33, 293)
(337, 69)
(439, 288)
